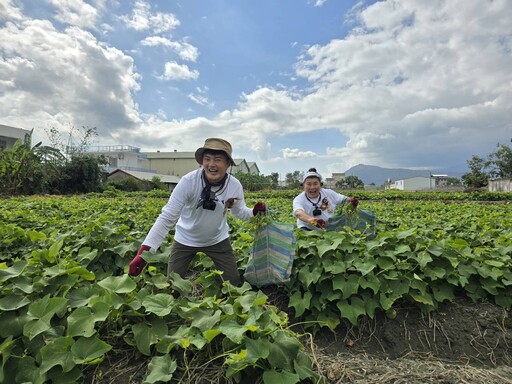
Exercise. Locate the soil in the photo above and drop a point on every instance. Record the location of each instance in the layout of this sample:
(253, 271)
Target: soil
(462, 342)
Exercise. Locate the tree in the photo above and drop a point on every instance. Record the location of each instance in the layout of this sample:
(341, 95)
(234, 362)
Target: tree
(80, 172)
(274, 180)
(293, 180)
(477, 177)
(453, 181)
(501, 162)
(74, 142)
(252, 182)
(350, 182)
(156, 183)
(27, 170)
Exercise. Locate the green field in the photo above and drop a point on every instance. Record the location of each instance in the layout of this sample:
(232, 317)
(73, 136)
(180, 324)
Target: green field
(67, 303)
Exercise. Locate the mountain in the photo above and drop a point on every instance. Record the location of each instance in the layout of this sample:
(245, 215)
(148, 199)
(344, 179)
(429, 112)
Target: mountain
(378, 175)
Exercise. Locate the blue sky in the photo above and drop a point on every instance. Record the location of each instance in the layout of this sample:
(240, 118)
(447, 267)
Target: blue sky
(292, 84)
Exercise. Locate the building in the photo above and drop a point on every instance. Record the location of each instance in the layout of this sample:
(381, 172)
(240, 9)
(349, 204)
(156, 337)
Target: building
(170, 163)
(441, 180)
(124, 157)
(330, 182)
(253, 168)
(500, 185)
(120, 174)
(161, 164)
(9, 135)
(417, 183)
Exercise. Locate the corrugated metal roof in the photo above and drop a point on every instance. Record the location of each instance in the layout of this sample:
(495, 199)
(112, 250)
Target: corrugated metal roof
(168, 179)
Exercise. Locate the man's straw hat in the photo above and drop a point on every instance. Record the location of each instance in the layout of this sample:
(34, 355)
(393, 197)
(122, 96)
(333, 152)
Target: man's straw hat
(215, 144)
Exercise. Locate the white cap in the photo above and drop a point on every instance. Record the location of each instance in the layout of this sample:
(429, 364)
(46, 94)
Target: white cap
(311, 174)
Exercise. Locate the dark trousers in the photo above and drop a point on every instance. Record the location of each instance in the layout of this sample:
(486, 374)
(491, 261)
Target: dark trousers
(221, 254)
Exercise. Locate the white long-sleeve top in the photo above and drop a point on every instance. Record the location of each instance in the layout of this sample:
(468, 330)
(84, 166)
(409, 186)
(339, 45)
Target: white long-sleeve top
(327, 206)
(197, 227)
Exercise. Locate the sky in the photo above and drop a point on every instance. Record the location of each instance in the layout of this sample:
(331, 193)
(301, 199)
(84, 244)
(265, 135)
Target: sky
(291, 84)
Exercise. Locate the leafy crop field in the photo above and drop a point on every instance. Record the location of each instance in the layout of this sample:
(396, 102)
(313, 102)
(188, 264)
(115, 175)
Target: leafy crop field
(71, 314)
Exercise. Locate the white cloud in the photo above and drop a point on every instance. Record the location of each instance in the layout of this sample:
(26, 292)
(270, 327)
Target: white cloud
(184, 50)
(9, 10)
(64, 78)
(142, 19)
(289, 153)
(75, 12)
(415, 84)
(175, 71)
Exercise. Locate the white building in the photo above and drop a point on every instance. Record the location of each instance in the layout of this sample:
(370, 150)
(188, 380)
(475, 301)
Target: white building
(417, 183)
(9, 135)
(500, 185)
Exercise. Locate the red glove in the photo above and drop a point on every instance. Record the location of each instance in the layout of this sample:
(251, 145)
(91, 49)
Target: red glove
(259, 207)
(354, 201)
(138, 263)
(319, 223)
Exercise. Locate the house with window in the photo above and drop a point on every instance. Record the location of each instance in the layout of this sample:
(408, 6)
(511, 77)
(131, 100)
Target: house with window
(9, 135)
(330, 182)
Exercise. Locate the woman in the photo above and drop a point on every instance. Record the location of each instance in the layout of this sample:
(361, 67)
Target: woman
(315, 204)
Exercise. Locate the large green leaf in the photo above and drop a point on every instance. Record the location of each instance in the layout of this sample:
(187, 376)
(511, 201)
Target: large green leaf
(82, 321)
(210, 334)
(423, 258)
(365, 266)
(370, 281)
(443, 292)
(352, 310)
(87, 349)
(54, 250)
(146, 335)
(28, 371)
(348, 284)
(309, 276)
(326, 246)
(86, 255)
(57, 352)
(422, 297)
(41, 311)
(232, 330)
(15, 270)
(283, 350)
(282, 377)
(251, 300)
(12, 322)
(299, 302)
(160, 304)
(257, 349)
(10, 303)
(304, 366)
(81, 296)
(118, 284)
(205, 319)
(160, 369)
(183, 286)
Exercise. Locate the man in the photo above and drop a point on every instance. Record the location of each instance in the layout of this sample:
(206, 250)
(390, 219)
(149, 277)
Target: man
(198, 208)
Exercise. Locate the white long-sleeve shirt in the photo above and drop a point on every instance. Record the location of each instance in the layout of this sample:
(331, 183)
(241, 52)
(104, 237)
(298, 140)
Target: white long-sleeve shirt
(196, 226)
(332, 200)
